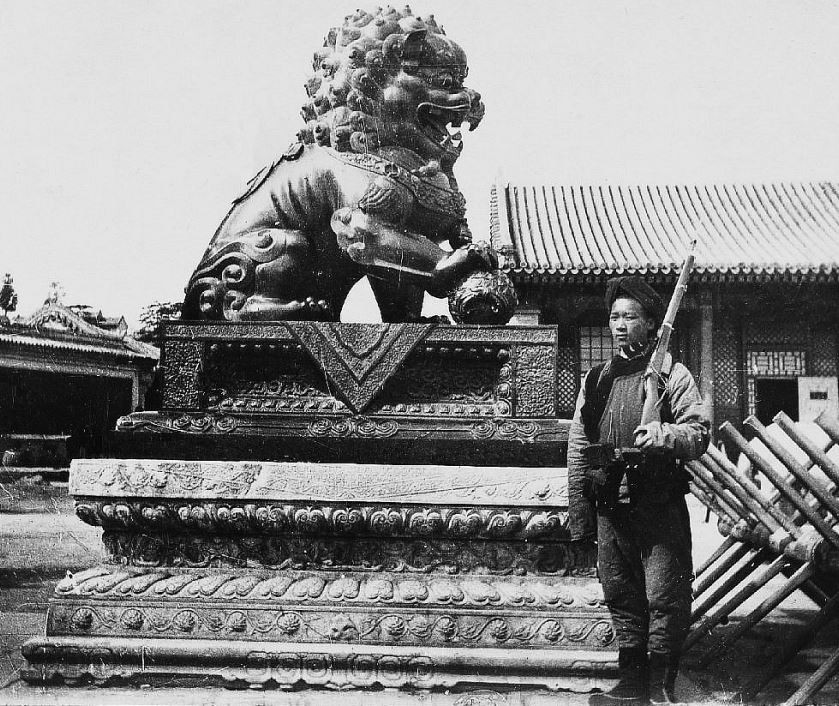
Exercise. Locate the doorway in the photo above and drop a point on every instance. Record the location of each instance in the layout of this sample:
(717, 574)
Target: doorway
(84, 407)
(773, 395)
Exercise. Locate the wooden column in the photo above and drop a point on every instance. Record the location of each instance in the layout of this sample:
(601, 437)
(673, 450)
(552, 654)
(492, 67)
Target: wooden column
(706, 353)
(135, 390)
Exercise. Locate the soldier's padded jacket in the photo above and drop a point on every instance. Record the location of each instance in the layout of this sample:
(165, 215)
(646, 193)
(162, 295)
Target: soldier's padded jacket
(685, 426)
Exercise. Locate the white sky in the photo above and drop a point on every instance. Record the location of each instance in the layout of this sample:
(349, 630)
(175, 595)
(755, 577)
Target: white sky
(126, 128)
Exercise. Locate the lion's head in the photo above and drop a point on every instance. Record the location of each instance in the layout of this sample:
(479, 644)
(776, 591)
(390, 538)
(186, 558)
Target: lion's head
(390, 79)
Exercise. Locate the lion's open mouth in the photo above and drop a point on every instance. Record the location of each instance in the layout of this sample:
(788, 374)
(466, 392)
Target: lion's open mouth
(441, 124)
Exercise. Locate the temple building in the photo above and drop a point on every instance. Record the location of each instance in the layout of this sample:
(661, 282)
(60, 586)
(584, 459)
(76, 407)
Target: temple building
(66, 375)
(758, 326)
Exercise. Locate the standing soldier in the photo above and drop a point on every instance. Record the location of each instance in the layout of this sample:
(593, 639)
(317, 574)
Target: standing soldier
(627, 489)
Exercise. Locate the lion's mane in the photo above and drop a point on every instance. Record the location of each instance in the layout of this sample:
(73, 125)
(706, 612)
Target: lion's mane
(358, 62)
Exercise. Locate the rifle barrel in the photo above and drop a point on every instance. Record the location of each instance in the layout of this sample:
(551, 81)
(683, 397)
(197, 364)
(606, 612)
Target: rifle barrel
(650, 411)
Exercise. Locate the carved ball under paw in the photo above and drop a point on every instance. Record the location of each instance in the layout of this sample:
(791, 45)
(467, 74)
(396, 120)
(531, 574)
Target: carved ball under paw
(483, 298)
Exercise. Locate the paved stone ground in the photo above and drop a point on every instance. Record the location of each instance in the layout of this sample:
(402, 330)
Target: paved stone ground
(40, 539)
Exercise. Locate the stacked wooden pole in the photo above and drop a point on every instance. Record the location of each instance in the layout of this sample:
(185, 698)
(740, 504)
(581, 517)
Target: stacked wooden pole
(784, 527)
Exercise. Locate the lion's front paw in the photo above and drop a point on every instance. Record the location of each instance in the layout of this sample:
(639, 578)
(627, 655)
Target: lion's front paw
(481, 256)
(440, 319)
(474, 257)
(261, 308)
(317, 309)
(462, 237)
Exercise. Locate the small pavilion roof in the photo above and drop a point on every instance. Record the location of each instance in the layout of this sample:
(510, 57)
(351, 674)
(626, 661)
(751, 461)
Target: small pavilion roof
(749, 232)
(55, 327)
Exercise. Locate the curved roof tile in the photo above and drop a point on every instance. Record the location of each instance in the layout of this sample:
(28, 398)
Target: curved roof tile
(742, 230)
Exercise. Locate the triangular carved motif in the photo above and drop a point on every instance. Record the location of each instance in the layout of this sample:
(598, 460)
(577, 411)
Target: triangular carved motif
(358, 359)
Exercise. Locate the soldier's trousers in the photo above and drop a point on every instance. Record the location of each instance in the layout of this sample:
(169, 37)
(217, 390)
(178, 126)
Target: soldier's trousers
(645, 567)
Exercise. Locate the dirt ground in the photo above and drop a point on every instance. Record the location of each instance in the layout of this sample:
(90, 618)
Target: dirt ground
(41, 539)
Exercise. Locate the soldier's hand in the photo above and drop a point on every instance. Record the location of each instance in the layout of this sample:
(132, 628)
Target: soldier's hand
(653, 437)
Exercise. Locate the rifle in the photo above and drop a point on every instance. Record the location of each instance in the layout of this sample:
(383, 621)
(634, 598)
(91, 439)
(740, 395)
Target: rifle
(661, 361)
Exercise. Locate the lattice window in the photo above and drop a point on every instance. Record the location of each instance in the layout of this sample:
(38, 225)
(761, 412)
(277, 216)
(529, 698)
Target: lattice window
(566, 381)
(823, 360)
(726, 378)
(775, 333)
(769, 363)
(595, 346)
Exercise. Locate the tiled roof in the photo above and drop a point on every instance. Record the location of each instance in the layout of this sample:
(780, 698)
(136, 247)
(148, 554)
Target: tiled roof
(129, 348)
(766, 231)
(57, 327)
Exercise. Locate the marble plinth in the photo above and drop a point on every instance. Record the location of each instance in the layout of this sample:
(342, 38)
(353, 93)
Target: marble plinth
(327, 574)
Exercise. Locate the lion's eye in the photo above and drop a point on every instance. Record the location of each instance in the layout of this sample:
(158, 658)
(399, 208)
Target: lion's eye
(445, 80)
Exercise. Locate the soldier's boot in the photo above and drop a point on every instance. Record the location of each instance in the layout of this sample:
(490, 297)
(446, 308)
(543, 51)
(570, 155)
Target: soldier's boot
(663, 670)
(632, 688)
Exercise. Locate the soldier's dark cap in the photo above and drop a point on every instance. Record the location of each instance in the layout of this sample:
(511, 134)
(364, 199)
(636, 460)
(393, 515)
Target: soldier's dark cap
(634, 287)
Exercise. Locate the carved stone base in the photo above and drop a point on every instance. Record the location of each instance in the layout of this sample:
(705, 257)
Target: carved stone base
(75, 660)
(324, 628)
(321, 606)
(336, 575)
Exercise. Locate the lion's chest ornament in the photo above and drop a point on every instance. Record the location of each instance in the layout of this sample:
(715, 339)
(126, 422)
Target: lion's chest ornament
(367, 190)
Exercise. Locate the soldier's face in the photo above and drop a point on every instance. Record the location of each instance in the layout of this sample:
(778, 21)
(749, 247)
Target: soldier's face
(629, 323)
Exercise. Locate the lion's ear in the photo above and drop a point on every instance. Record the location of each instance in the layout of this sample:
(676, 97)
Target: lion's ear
(413, 44)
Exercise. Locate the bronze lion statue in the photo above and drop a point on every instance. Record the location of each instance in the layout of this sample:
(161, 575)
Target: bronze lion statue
(367, 190)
